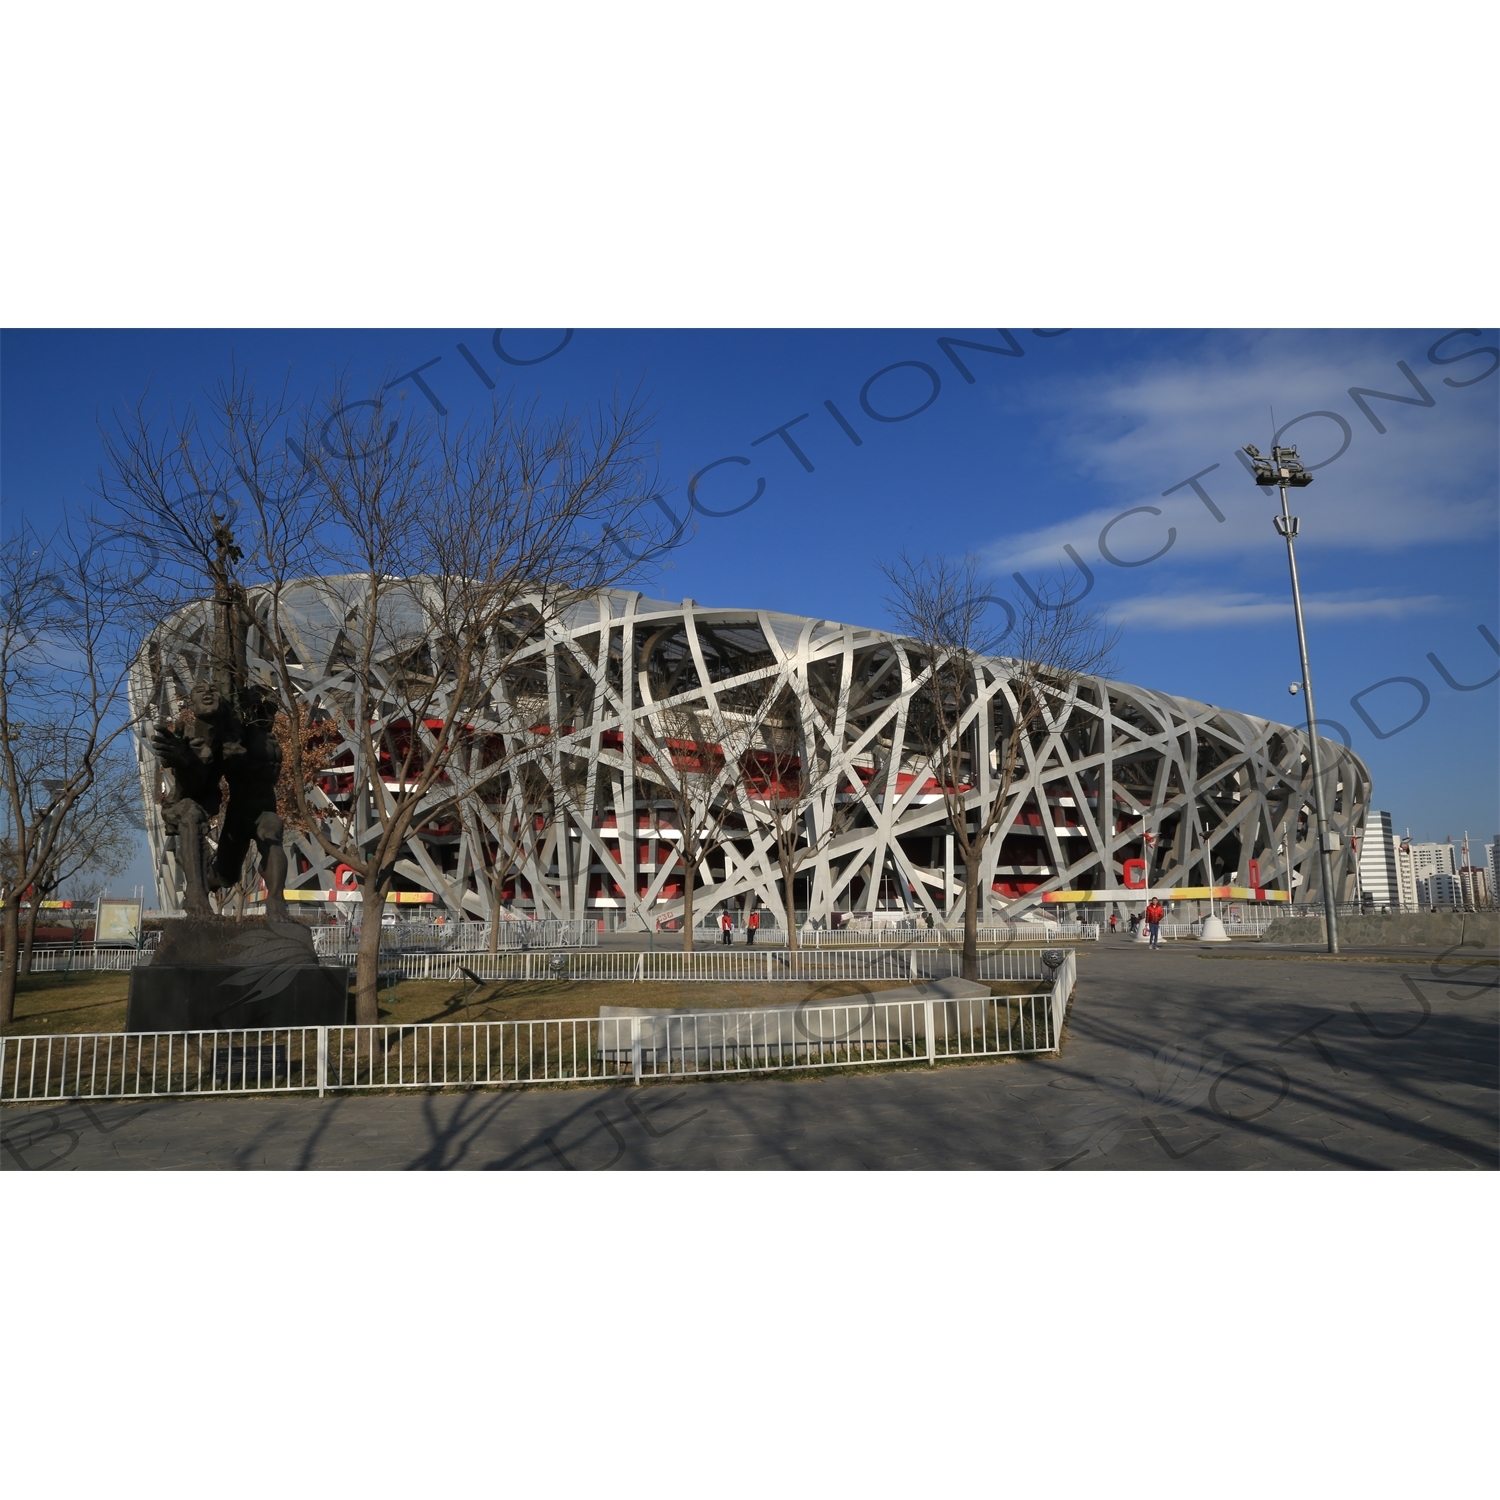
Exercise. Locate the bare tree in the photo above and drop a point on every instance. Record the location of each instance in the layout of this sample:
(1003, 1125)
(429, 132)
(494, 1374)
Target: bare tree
(444, 553)
(794, 779)
(66, 642)
(97, 837)
(504, 829)
(975, 715)
(695, 767)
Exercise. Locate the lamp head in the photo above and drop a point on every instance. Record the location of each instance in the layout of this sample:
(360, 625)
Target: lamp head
(1291, 466)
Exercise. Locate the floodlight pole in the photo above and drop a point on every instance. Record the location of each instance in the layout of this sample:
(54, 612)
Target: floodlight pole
(1286, 524)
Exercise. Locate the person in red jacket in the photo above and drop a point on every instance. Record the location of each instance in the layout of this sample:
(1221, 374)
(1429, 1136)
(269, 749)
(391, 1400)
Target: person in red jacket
(1155, 911)
(752, 926)
(726, 926)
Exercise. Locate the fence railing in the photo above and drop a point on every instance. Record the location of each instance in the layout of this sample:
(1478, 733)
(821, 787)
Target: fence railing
(459, 937)
(721, 965)
(1181, 931)
(703, 966)
(1006, 932)
(1348, 909)
(902, 937)
(1314, 909)
(848, 1032)
(124, 1065)
(62, 960)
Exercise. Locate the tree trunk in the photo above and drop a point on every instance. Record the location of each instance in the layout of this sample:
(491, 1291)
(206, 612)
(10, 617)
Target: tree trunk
(30, 939)
(789, 898)
(8, 964)
(971, 915)
(495, 915)
(687, 907)
(367, 960)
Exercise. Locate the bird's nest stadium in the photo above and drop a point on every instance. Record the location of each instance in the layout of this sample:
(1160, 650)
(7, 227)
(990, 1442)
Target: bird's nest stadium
(1129, 791)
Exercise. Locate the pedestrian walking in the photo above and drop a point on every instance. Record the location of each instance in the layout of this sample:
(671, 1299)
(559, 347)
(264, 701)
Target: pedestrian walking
(752, 926)
(726, 926)
(1154, 914)
(1112, 920)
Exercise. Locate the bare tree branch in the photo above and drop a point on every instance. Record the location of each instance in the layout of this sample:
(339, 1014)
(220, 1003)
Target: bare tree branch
(979, 719)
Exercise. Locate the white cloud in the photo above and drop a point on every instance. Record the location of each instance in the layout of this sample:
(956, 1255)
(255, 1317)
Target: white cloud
(1196, 611)
(1430, 478)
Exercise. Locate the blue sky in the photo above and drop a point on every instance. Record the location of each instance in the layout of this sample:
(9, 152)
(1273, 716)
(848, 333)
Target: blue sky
(1038, 452)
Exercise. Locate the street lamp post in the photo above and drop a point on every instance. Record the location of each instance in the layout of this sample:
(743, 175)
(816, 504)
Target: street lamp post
(1284, 470)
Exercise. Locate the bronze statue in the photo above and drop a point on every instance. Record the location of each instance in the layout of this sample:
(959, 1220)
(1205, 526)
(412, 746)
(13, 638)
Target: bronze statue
(228, 744)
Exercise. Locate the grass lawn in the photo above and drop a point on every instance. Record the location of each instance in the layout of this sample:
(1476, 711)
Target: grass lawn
(50, 1003)
(47, 1004)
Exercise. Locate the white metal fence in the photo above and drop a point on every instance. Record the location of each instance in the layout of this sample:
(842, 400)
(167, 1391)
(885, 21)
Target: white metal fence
(84, 960)
(703, 965)
(848, 1032)
(342, 941)
(1005, 932)
(734, 965)
(900, 937)
(1183, 931)
(1246, 926)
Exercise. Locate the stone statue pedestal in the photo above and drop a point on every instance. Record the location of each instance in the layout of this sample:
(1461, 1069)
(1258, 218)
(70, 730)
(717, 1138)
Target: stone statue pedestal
(223, 974)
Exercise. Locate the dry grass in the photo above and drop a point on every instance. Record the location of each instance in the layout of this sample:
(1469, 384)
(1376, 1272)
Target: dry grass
(415, 1001)
(48, 1004)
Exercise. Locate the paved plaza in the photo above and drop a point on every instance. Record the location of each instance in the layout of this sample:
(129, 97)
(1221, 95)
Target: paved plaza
(1174, 1060)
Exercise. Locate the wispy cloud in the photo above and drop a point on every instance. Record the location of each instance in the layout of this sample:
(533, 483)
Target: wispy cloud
(1209, 610)
(1139, 431)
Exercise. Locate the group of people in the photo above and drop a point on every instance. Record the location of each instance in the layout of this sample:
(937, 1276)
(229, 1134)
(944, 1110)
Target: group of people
(1154, 916)
(752, 926)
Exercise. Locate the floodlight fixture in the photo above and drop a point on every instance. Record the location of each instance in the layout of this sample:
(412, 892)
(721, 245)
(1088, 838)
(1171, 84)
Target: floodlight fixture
(1285, 471)
(1283, 468)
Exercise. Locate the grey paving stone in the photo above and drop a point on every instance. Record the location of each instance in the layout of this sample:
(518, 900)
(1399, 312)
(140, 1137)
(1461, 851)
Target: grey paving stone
(1173, 1062)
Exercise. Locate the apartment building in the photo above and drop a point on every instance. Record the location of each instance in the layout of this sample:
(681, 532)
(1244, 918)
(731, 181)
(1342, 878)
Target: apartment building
(1434, 859)
(1474, 883)
(1439, 889)
(1377, 864)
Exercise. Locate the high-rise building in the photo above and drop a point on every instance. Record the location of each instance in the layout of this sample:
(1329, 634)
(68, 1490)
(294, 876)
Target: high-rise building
(1430, 859)
(1406, 872)
(1492, 851)
(1439, 889)
(1377, 864)
(1474, 881)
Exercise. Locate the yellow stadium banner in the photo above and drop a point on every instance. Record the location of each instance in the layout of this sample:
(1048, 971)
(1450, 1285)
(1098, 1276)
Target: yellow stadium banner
(1170, 893)
(399, 898)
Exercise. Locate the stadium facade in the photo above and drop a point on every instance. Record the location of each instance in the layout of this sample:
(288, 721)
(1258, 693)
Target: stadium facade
(1130, 791)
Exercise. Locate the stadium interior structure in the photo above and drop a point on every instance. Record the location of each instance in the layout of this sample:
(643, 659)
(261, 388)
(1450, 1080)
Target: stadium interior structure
(1129, 789)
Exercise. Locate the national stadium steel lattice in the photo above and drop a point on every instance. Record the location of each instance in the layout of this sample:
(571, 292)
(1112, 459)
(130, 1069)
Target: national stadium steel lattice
(1128, 790)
